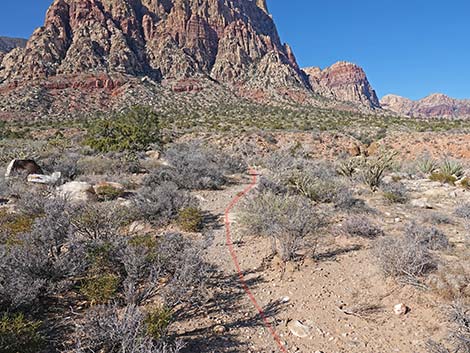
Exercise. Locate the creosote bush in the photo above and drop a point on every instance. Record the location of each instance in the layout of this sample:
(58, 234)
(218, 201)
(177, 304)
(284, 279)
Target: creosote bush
(134, 129)
(288, 220)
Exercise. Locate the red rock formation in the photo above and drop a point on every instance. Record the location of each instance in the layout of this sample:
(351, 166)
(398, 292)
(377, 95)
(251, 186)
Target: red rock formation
(230, 41)
(345, 82)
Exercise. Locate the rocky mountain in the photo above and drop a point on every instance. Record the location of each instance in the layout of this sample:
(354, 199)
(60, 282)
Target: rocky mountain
(94, 53)
(433, 106)
(233, 41)
(343, 81)
(8, 44)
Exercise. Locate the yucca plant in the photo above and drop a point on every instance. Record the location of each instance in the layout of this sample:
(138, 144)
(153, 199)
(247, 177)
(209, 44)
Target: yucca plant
(452, 167)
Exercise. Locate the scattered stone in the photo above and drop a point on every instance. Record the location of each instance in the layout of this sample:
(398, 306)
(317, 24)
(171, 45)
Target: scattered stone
(421, 203)
(400, 309)
(77, 191)
(219, 329)
(44, 179)
(298, 329)
(153, 154)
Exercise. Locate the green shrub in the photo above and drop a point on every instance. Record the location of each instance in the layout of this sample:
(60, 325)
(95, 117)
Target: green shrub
(190, 219)
(100, 288)
(157, 322)
(427, 165)
(19, 335)
(132, 130)
(109, 192)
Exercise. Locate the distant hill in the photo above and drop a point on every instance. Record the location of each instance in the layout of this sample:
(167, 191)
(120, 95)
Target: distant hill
(436, 105)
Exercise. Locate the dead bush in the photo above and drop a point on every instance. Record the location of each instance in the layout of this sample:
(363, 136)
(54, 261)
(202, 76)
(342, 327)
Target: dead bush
(362, 227)
(432, 238)
(395, 192)
(404, 257)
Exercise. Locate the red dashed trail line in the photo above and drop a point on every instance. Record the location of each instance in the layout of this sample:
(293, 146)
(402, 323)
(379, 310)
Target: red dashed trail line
(231, 248)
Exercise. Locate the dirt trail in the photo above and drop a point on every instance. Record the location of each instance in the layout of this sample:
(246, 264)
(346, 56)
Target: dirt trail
(321, 294)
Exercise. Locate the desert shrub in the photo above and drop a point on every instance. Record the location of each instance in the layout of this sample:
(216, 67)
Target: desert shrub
(463, 211)
(157, 322)
(395, 192)
(451, 168)
(372, 169)
(18, 334)
(287, 220)
(108, 192)
(465, 183)
(443, 178)
(362, 227)
(134, 129)
(162, 204)
(110, 329)
(436, 347)
(437, 218)
(41, 262)
(451, 281)
(190, 219)
(404, 257)
(199, 167)
(266, 184)
(64, 163)
(460, 318)
(432, 238)
(100, 288)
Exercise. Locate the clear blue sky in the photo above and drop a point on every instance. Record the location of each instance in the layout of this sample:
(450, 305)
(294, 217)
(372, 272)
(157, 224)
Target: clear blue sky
(407, 47)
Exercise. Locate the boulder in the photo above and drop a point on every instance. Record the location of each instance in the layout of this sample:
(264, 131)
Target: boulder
(22, 167)
(77, 191)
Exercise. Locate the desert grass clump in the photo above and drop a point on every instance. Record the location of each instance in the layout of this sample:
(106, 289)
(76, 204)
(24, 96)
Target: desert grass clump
(443, 178)
(286, 219)
(362, 227)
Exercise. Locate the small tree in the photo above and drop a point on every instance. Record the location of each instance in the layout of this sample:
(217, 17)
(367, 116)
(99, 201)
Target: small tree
(134, 129)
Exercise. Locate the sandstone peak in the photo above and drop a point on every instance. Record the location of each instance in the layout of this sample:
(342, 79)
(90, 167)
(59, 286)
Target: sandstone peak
(222, 40)
(343, 81)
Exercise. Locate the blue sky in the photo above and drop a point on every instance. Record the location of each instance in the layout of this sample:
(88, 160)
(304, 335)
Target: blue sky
(407, 47)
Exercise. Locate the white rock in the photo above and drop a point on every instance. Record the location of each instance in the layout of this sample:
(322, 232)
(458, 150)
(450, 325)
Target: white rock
(77, 191)
(400, 309)
(44, 179)
(298, 329)
(421, 203)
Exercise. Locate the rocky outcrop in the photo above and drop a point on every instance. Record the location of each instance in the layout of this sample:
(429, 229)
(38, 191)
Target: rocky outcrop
(433, 106)
(233, 41)
(343, 81)
(8, 44)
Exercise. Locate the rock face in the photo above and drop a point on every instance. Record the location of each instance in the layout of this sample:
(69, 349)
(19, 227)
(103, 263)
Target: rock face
(434, 106)
(345, 82)
(234, 41)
